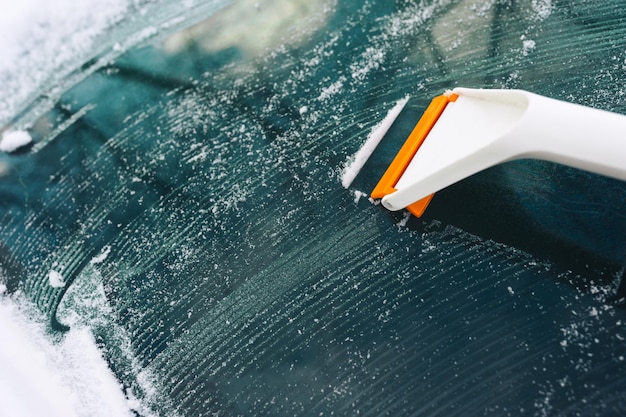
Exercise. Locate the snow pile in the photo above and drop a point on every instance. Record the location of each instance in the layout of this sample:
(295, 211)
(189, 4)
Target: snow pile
(39, 377)
(13, 140)
(354, 165)
(85, 306)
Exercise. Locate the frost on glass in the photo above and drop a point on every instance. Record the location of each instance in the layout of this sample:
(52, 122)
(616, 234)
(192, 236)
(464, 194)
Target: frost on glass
(181, 204)
(47, 46)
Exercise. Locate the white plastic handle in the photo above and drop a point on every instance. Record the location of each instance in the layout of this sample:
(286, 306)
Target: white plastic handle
(483, 128)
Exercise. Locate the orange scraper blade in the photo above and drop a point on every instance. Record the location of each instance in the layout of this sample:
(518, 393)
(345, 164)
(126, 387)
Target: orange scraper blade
(390, 178)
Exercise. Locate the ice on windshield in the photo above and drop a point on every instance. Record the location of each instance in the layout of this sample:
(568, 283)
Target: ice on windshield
(182, 193)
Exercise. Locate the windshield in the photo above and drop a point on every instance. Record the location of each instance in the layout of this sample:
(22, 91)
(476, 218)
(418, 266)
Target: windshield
(182, 199)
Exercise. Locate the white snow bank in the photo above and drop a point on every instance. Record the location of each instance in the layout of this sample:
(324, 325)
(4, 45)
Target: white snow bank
(13, 140)
(39, 377)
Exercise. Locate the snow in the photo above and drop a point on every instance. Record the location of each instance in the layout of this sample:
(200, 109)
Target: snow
(331, 90)
(40, 377)
(41, 40)
(527, 45)
(354, 166)
(102, 257)
(13, 140)
(55, 279)
(372, 59)
(542, 8)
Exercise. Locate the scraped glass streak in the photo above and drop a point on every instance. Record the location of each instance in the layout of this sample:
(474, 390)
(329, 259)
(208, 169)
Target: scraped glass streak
(198, 185)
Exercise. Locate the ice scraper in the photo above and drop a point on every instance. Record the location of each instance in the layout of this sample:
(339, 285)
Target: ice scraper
(465, 131)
